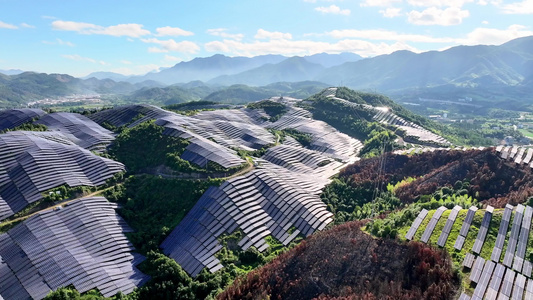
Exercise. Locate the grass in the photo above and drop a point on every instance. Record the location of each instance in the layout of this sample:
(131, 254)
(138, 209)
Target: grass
(526, 133)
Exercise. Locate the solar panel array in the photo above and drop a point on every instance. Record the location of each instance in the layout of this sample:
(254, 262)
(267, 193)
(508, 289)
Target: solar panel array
(482, 234)
(465, 228)
(448, 226)
(82, 245)
(12, 118)
(301, 160)
(384, 115)
(33, 163)
(477, 269)
(520, 155)
(513, 239)
(432, 223)
(267, 201)
(502, 233)
(130, 115)
(324, 138)
(79, 129)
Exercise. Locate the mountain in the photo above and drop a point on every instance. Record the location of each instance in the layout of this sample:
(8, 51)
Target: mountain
(207, 68)
(107, 75)
(292, 69)
(16, 90)
(463, 66)
(331, 60)
(169, 95)
(11, 72)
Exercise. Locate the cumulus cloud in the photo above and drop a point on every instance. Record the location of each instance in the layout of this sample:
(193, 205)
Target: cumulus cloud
(275, 35)
(172, 31)
(493, 36)
(437, 16)
(305, 47)
(7, 26)
(439, 3)
(222, 32)
(333, 9)
(130, 30)
(380, 3)
(77, 57)
(391, 12)
(519, 8)
(172, 45)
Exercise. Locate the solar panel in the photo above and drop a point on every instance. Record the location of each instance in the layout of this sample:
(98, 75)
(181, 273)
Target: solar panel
(483, 282)
(432, 223)
(51, 250)
(522, 239)
(482, 234)
(513, 239)
(477, 269)
(502, 232)
(414, 227)
(469, 260)
(448, 226)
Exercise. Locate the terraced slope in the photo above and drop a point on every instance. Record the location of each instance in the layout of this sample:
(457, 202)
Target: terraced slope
(268, 201)
(82, 245)
(413, 132)
(32, 163)
(12, 118)
(79, 129)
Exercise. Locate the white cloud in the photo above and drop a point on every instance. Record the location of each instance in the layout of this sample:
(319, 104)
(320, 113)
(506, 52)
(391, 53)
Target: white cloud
(386, 35)
(304, 47)
(519, 8)
(485, 22)
(7, 26)
(172, 31)
(492, 36)
(221, 32)
(156, 50)
(126, 62)
(130, 30)
(25, 25)
(77, 57)
(275, 35)
(333, 9)
(59, 42)
(172, 45)
(172, 58)
(391, 12)
(380, 3)
(437, 16)
(438, 3)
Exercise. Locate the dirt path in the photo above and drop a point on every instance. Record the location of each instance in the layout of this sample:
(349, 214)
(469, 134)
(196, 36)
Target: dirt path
(64, 202)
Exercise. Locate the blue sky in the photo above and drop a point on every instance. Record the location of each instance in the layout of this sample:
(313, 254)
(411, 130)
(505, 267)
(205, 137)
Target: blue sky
(134, 37)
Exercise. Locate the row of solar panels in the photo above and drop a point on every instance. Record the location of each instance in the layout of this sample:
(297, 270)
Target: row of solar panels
(268, 201)
(82, 244)
(520, 155)
(386, 116)
(77, 128)
(32, 163)
(496, 281)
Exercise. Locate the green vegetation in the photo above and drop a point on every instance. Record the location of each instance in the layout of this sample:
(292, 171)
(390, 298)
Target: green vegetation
(274, 109)
(28, 126)
(303, 138)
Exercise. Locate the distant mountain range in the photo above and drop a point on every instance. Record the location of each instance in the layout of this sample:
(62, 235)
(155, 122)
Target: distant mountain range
(503, 73)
